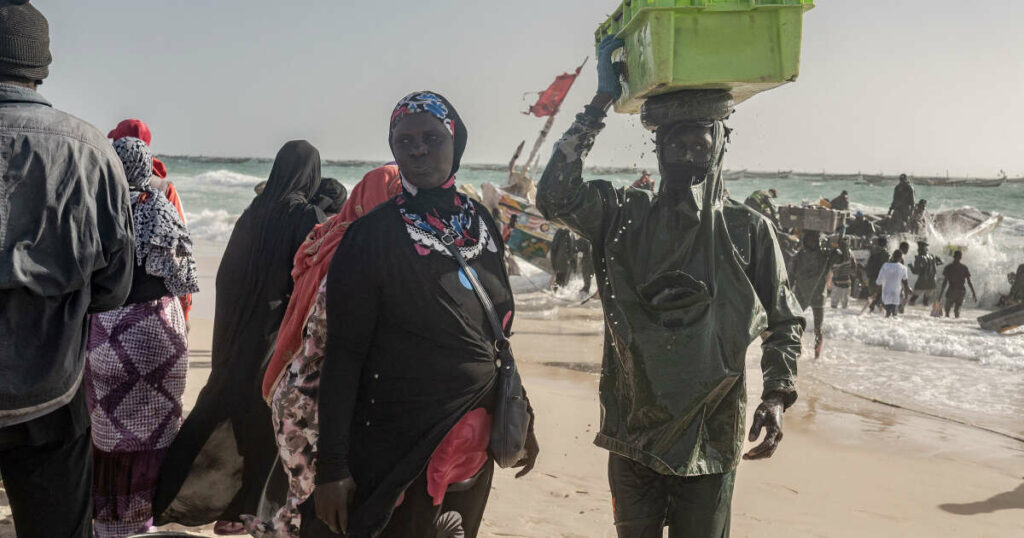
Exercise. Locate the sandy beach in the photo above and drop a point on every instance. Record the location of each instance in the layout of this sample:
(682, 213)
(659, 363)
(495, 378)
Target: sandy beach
(847, 466)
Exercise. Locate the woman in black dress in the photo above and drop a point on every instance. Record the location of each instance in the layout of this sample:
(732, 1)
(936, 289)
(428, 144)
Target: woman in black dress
(219, 463)
(408, 381)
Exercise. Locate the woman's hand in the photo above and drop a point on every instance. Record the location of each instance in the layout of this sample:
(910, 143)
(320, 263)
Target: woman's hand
(332, 501)
(532, 449)
(608, 82)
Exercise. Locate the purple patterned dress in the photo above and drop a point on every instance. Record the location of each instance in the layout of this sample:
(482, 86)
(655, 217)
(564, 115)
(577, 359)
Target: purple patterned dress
(135, 375)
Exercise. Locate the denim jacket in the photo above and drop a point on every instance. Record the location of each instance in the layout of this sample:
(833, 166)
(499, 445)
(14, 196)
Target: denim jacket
(66, 249)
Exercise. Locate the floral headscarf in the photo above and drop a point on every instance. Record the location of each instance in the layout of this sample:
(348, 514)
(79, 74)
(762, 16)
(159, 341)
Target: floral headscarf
(443, 211)
(163, 245)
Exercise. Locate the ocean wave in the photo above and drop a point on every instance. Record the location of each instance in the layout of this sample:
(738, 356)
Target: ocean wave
(226, 178)
(939, 337)
(211, 225)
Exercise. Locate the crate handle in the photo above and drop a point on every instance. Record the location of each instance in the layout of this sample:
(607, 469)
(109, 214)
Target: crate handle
(704, 3)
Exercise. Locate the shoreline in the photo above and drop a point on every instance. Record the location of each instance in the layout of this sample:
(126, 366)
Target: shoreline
(848, 467)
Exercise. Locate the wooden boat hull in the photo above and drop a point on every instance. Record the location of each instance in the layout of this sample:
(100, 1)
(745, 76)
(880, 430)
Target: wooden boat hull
(1004, 320)
(531, 238)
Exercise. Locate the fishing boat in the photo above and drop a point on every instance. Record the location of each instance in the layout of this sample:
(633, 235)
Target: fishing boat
(844, 177)
(966, 222)
(929, 180)
(760, 175)
(1003, 321)
(809, 176)
(987, 182)
(529, 233)
(875, 179)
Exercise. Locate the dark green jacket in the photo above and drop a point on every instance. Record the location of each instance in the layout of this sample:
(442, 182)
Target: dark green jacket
(926, 268)
(809, 274)
(761, 201)
(673, 390)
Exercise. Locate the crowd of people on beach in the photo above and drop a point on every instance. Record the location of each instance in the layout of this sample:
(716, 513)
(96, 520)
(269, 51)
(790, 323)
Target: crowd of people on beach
(824, 268)
(825, 265)
(362, 382)
(361, 378)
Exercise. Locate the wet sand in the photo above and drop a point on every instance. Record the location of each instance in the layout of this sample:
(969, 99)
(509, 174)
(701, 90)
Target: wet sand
(847, 466)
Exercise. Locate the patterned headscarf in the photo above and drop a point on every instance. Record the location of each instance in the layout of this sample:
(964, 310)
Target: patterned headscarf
(439, 107)
(137, 161)
(163, 246)
(443, 210)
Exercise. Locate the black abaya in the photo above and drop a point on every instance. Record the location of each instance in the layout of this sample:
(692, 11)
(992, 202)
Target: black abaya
(217, 466)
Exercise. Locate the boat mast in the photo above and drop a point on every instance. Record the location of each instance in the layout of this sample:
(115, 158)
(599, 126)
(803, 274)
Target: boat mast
(540, 141)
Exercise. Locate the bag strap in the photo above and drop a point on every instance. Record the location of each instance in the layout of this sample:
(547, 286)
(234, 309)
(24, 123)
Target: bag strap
(501, 343)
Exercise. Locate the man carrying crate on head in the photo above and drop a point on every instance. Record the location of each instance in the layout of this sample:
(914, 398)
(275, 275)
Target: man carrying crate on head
(688, 280)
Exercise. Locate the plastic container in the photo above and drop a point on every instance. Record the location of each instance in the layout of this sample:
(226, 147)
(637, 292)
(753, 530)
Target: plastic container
(812, 219)
(745, 46)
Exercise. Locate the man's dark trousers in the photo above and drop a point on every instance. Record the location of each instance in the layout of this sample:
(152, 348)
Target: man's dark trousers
(47, 471)
(645, 502)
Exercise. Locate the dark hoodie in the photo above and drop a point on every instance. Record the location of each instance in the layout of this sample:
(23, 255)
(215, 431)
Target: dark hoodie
(687, 281)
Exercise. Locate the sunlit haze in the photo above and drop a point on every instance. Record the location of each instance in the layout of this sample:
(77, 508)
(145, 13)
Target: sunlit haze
(922, 87)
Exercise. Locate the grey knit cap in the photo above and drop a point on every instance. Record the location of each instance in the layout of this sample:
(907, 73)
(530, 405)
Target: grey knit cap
(24, 41)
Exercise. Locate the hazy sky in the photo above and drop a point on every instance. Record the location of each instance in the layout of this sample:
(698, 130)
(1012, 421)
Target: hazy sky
(885, 85)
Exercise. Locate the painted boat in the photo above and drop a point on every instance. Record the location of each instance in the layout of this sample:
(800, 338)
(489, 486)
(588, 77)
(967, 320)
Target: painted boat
(1004, 320)
(531, 235)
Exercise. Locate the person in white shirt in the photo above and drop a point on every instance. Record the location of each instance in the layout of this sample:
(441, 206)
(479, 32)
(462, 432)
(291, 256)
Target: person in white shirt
(893, 279)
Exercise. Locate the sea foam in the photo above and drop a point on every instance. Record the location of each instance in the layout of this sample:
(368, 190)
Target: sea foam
(211, 225)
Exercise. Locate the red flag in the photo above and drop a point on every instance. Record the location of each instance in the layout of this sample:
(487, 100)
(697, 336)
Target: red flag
(551, 99)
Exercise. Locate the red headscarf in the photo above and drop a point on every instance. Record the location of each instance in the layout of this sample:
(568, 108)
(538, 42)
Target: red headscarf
(314, 257)
(138, 129)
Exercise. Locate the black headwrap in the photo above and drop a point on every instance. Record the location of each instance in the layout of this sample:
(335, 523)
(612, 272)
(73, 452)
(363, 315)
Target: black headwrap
(294, 178)
(278, 219)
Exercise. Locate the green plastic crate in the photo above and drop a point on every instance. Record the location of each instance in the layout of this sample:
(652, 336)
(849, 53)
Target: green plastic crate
(745, 46)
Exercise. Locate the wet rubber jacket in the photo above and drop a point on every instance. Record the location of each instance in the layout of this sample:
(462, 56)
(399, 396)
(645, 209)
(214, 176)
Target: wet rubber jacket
(683, 299)
(809, 274)
(66, 249)
(761, 201)
(926, 267)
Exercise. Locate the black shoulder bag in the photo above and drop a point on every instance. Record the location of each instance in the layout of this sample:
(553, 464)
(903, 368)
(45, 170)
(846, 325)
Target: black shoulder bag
(511, 422)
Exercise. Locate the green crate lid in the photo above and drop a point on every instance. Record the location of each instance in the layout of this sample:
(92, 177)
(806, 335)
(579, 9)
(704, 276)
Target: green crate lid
(630, 8)
(735, 5)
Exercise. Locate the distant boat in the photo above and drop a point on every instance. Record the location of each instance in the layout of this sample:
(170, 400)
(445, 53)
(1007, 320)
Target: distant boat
(760, 175)
(809, 176)
(987, 182)
(874, 179)
(930, 180)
